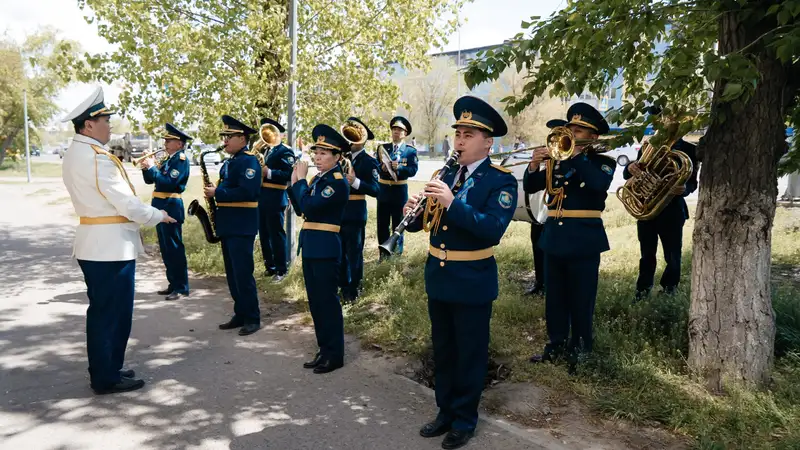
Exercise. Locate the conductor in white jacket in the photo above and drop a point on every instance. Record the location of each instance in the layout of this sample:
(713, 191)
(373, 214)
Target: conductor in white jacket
(107, 242)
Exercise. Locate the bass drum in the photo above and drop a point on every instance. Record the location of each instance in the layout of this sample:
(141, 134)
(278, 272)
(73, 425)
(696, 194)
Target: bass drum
(530, 208)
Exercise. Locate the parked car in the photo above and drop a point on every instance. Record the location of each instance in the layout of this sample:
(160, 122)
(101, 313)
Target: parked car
(35, 151)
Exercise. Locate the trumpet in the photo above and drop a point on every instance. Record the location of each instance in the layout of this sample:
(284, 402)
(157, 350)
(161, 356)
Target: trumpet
(138, 161)
(561, 143)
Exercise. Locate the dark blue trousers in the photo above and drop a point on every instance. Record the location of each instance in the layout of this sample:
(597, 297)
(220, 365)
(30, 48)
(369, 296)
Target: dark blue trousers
(460, 335)
(110, 287)
(390, 211)
(321, 279)
(237, 253)
(569, 302)
(352, 268)
(671, 234)
(170, 241)
(273, 238)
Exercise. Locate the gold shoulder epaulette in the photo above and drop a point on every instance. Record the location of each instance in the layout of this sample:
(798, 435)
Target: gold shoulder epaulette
(501, 168)
(183, 157)
(337, 175)
(99, 150)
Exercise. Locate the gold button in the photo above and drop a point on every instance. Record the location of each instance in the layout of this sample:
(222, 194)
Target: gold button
(561, 223)
(566, 183)
(583, 184)
(444, 228)
(441, 245)
(441, 263)
(565, 195)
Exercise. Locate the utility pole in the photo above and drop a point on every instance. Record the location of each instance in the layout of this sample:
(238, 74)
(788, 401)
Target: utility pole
(292, 120)
(25, 124)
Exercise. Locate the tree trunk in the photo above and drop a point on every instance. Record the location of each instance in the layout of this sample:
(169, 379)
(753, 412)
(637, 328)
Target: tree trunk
(5, 144)
(731, 323)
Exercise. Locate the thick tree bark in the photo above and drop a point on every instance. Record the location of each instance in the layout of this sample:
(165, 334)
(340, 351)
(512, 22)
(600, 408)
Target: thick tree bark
(732, 324)
(6, 143)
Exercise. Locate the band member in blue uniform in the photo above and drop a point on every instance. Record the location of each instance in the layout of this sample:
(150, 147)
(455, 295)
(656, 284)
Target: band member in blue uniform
(363, 178)
(393, 194)
(107, 242)
(322, 203)
(278, 162)
(478, 202)
(574, 235)
(668, 226)
(237, 223)
(170, 178)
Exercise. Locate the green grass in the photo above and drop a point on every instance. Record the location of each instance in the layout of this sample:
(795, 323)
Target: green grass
(38, 169)
(638, 371)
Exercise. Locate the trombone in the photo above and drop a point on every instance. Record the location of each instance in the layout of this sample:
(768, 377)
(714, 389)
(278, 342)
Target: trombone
(561, 143)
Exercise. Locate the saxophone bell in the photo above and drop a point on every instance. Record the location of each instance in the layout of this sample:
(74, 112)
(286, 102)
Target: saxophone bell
(206, 217)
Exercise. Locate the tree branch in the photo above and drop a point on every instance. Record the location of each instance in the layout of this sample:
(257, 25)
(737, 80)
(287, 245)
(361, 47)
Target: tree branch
(357, 33)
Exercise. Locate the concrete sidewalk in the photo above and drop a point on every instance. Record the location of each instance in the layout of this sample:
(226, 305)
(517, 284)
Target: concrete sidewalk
(206, 388)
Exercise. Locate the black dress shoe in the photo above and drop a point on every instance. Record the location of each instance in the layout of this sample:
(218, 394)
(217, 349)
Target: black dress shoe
(537, 289)
(669, 290)
(230, 325)
(314, 362)
(249, 328)
(457, 438)
(175, 296)
(124, 385)
(641, 295)
(127, 373)
(166, 291)
(328, 366)
(434, 429)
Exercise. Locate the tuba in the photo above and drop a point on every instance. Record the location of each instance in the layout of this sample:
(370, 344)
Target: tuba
(355, 134)
(206, 218)
(268, 136)
(645, 195)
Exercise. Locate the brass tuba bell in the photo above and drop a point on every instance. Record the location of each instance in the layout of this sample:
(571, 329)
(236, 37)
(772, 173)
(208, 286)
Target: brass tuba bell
(269, 136)
(354, 132)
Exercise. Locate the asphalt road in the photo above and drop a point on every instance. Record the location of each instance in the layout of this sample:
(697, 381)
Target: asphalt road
(207, 389)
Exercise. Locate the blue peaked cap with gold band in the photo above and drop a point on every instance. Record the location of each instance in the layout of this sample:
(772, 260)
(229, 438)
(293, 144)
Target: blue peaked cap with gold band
(90, 108)
(327, 138)
(584, 115)
(475, 113)
(267, 120)
(172, 132)
(400, 122)
(234, 126)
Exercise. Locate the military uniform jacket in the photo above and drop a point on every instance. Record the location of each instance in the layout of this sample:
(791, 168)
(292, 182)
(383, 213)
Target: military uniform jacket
(279, 160)
(368, 173)
(170, 178)
(676, 210)
(406, 156)
(476, 220)
(586, 179)
(99, 187)
(322, 204)
(237, 195)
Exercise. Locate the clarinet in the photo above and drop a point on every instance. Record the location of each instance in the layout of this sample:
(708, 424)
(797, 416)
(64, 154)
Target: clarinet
(387, 248)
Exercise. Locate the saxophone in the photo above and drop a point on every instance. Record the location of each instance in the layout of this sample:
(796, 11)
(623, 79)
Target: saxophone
(195, 209)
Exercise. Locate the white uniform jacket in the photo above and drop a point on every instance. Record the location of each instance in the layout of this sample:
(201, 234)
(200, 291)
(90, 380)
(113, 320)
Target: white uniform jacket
(105, 201)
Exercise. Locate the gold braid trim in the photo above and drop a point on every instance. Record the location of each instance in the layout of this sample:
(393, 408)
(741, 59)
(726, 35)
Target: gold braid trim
(557, 193)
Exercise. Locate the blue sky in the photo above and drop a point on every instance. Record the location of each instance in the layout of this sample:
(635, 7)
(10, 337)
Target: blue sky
(487, 22)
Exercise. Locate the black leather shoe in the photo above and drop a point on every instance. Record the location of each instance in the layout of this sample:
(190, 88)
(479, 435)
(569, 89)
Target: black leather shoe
(457, 438)
(434, 429)
(328, 366)
(124, 385)
(249, 328)
(314, 362)
(230, 325)
(166, 291)
(669, 290)
(537, 289)
(175, 296)
(127, 373)
(641, 295)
